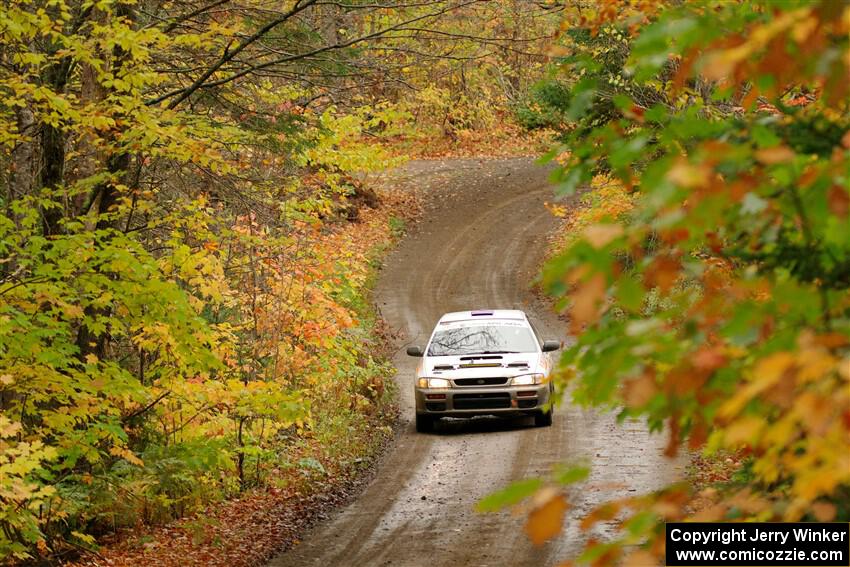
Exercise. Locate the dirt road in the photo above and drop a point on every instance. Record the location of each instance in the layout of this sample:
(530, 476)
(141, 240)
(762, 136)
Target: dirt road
(478, 246)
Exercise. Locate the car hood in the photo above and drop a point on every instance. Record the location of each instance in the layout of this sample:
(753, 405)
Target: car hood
(483, 365)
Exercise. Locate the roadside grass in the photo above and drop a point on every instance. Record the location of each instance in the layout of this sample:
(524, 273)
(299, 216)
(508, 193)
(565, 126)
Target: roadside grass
(398, 226)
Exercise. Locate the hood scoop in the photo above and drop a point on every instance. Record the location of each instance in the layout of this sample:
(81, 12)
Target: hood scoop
(483, 361)
(490, 361)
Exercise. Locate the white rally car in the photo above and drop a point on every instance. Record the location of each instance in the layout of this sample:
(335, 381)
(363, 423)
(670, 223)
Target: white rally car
(483, 363)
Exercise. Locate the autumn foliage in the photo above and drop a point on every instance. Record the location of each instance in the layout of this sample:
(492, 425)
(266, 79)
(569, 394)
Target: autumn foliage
(715, 304)
(190, 224)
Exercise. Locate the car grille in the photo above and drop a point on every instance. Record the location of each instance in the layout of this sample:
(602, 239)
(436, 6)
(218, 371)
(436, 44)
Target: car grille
(481, 401)
(481, 381)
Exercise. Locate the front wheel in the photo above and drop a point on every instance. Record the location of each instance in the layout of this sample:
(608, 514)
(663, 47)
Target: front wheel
(424, 423)
(543, 418)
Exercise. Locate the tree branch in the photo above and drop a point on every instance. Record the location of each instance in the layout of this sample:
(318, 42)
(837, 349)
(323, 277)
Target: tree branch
(229, 54)
(295, 57)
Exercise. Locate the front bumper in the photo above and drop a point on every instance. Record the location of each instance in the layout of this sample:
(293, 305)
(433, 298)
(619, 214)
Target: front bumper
(471, 401)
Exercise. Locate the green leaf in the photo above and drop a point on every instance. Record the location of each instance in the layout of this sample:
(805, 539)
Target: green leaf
(513, 494)
(571, 475)
(630, 292)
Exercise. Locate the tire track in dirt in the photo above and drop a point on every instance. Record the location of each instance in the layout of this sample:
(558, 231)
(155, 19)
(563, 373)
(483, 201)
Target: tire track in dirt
(478, 245)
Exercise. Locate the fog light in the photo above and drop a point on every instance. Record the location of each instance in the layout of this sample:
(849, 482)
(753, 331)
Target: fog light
(526, 394)
(435, 396)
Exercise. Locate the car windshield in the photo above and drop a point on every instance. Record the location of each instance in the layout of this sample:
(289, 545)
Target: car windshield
(485, 338)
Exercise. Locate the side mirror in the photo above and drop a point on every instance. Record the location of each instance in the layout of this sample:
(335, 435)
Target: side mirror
(548, 346)
(414, 351)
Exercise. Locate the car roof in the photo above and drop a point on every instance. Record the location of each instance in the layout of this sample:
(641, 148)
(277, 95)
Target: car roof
(484, 314)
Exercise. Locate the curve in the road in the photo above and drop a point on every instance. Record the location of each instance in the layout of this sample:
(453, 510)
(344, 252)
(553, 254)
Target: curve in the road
(478, 246)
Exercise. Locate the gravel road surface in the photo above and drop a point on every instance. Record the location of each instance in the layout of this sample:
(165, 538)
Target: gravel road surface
(478, 245)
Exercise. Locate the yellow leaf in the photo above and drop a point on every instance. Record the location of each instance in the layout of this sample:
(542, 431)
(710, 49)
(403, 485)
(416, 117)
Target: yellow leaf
(545, 520)
(814, 363)
(8, 428)
(771, 368)
(73, 311)
(127, 455)
(559, 211)
(815, 412)
(744, 431)
(781, 432)
(766, 373)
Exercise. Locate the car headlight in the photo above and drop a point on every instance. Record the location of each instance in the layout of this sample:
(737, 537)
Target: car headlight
(528, 380)
(434, 383)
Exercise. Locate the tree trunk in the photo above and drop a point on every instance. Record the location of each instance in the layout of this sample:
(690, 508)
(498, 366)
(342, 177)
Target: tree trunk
(51, 173)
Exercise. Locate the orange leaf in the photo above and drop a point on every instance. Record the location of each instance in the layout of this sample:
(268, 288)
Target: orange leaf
(672, 448)
(663, 272)
(587, 301)
(688, 175)
(839, 201)
(698, 435)
(824, 511)
(831, 340)
(639, 391)
(598, 235)
(709, 359)
(744, 431)
(778, 154)
(546, 519)
(602, 513)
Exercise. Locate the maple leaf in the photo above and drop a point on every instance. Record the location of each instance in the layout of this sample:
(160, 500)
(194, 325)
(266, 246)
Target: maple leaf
(546, 518)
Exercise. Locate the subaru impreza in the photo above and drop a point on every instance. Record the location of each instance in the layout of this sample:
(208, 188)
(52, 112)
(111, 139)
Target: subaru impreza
(486, 362)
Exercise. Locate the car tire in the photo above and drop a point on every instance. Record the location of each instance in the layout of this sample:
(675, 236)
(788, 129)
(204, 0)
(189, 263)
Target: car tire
(424, 423)
(543, 419)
